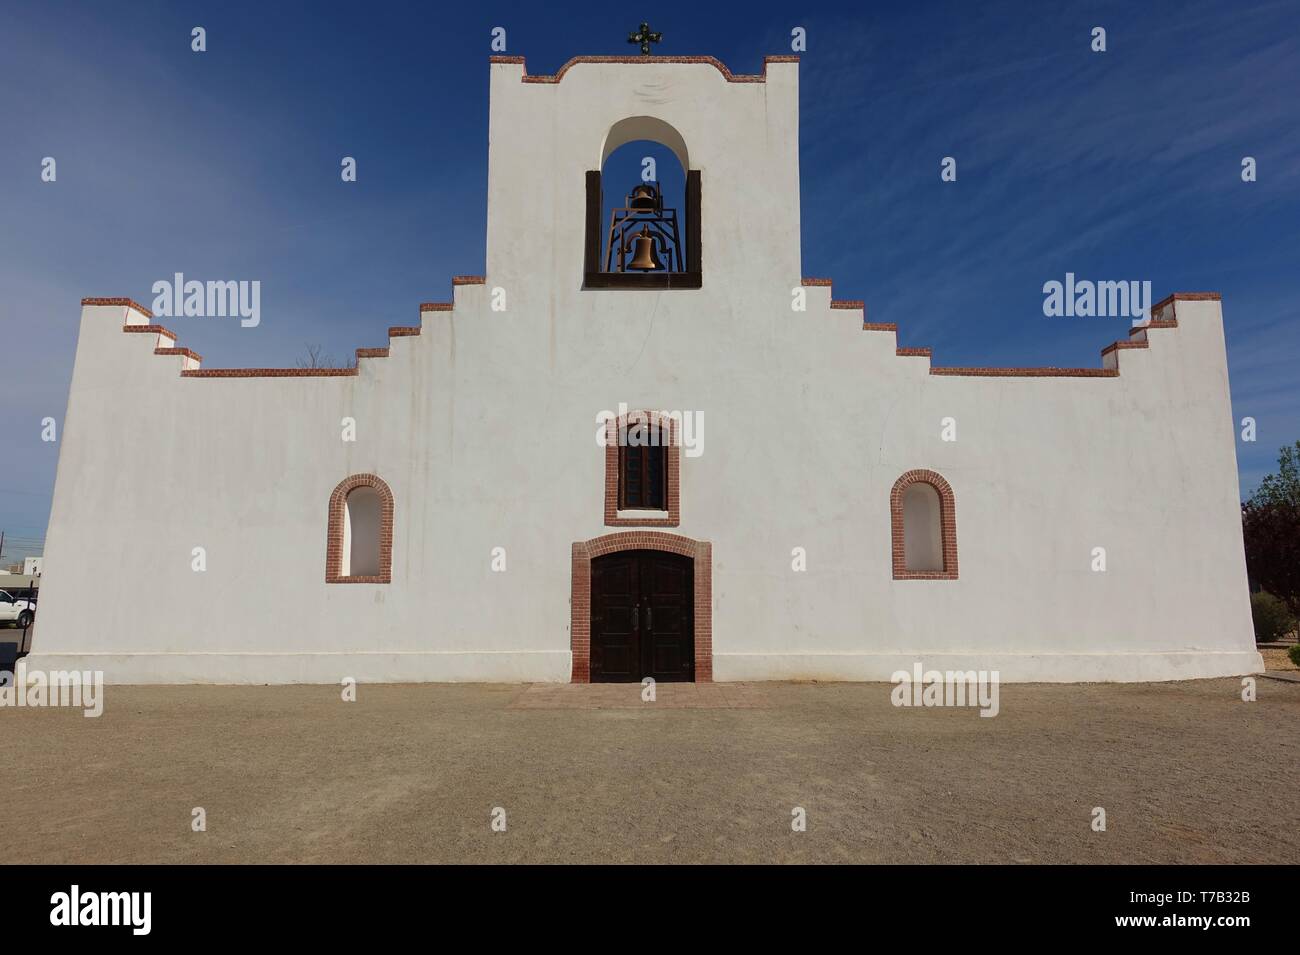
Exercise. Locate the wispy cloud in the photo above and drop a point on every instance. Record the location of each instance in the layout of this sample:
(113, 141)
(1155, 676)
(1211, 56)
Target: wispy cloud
(1115, 165)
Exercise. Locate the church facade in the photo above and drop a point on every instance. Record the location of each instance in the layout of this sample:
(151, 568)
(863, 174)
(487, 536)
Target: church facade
(646, 447)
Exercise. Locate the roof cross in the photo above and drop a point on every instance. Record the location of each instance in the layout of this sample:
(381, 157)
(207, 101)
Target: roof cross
(645, 38)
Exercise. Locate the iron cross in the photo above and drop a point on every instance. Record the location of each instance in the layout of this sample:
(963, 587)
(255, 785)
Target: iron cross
(645, 38)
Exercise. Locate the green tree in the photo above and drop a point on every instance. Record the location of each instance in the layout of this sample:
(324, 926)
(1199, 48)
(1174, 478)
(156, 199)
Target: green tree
(1283, 487)
(1271, 528)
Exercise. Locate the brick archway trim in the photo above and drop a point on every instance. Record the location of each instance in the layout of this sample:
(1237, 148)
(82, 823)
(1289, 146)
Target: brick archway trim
(947, 523)
(580, 597)
(334, 537)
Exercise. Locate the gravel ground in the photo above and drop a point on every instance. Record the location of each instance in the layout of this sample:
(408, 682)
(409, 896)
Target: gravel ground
(1186, 772)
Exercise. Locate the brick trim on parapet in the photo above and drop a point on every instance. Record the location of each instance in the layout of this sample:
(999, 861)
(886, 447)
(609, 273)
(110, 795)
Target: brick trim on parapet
(845, 304)
(1039, 372)
(583, 552)
(396, 331)
(151, 329)
(1028, 372)
(1169, 302)
(271, 373)
(1116, 346)
(1154, 323)
(118, 301)
(673, 464)
(638, 60)
(334, 533)
(1186, 297)
(947, 523)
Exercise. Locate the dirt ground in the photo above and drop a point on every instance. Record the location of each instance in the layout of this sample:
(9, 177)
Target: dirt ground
(1186, 772)
(1275, 659)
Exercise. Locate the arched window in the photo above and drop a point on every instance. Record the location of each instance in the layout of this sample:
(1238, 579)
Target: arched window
(924, 527)
(643, 210)
(359, 546)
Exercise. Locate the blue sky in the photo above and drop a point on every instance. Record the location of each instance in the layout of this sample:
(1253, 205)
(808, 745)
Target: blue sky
(1122, 165)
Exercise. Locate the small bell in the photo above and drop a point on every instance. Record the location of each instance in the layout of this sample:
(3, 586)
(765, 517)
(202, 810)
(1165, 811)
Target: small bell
(645, 198)
(644, 257)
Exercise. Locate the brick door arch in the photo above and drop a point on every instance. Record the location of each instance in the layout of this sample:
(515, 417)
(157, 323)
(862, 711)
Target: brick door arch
(701, 552)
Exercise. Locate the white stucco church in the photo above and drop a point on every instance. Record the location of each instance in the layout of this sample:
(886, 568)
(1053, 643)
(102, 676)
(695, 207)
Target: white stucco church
(645, 444)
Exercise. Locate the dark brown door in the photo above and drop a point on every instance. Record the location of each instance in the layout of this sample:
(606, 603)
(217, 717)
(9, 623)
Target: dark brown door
(642, 617)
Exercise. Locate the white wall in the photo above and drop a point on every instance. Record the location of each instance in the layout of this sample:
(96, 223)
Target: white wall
(484, 428)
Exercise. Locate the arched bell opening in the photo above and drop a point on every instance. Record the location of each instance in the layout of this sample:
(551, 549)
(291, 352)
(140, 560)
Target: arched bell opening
(645, 129)
(643, 210)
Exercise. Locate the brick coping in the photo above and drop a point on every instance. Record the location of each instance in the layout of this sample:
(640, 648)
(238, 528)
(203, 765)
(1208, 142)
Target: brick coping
(398, 331)
(646, 60)
(1027, 372)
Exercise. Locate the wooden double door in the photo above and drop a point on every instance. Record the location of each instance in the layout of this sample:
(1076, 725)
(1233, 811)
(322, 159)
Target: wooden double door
(642, 617)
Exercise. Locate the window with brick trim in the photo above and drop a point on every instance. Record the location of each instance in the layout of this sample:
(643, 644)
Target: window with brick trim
(642, 470)
(923, 527)
(359, 543)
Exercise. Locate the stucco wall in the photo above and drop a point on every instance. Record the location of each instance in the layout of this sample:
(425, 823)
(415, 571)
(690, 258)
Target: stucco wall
(484, 428)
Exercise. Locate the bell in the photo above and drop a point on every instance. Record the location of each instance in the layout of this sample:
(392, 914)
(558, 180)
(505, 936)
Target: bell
(644, 197)
(644, 252)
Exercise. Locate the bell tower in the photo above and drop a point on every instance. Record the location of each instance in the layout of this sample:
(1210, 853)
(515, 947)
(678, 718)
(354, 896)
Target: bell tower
(736, 137)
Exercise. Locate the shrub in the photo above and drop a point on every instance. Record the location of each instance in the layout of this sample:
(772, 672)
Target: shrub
(1271, 531)
(1294, 654)
(1272, 619)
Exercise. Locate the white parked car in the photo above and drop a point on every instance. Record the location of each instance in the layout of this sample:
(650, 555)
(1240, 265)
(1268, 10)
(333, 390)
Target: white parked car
(16, 610)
